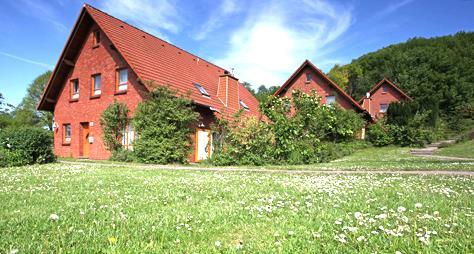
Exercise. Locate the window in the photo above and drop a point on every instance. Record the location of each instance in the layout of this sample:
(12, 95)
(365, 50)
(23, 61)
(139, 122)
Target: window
(331, 99)
(383, 108)
(96, 84)
(242, 103)
(385, 89)
(67, 133)
(309, 77)
(202, 90)
(75, 89)
(128, 136)
(96, 38)
(122, 79)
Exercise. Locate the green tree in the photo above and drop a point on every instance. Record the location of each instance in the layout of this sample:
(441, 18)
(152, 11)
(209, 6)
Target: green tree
(5, 113)
(439, 68)
(26, 113)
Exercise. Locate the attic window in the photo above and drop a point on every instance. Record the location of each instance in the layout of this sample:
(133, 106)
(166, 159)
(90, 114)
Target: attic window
(385, 89)
(242, 103)
(309, 77)
(201, 90)
(96, 37)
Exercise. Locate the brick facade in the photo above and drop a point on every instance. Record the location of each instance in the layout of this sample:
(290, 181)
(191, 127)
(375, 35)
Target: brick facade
(385, 92)
(322, 87)
(92, 60)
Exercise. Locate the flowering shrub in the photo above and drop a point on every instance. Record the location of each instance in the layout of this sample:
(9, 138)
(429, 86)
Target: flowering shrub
(247, 141)
(25, 145)
(299, 131)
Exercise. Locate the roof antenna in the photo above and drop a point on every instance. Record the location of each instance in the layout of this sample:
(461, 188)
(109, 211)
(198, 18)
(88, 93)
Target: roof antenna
(232, 71)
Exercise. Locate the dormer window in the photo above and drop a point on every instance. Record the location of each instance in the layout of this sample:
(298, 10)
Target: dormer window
(309, 77)
(75, 89)
(242, 103)
(201, 90)
(122, 80)
(96, 38)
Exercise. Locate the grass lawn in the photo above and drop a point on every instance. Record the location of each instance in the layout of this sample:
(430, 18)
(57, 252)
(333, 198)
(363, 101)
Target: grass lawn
(373, 158)
(387, 158)
(463, 150)
(108, 209)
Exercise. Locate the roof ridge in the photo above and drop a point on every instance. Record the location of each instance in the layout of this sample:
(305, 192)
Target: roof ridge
(139, 29)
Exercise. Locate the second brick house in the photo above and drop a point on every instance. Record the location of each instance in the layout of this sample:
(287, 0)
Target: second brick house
(379, 97)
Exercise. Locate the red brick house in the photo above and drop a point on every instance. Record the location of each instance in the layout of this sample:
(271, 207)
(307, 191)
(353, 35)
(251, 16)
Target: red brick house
(106, 59)
(377, 100)
(308, 77)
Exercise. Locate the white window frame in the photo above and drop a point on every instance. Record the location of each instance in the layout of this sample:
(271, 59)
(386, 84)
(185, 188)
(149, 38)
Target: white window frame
(97, 91)
(382, 110)
(122, 85)
(128, 137)
(75, 92)
(67, 137)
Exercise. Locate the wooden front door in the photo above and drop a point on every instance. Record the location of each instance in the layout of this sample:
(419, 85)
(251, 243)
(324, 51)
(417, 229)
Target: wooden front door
(85, 140)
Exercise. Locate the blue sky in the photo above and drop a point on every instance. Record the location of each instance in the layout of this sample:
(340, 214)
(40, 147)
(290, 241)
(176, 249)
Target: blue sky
(263, 40)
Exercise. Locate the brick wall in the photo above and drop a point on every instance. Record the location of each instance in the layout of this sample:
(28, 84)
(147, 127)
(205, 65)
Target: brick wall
(91, 60)
(380, 97)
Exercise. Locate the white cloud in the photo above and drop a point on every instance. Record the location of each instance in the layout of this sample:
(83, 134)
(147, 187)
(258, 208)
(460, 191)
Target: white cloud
(272, 43)
(153, 16)
(217, 18)
(45, 65)
(393, 7)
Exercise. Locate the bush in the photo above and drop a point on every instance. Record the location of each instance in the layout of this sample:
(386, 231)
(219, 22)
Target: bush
(163, 123)
(25, 145)
(378, 135)
(247, 142)
(113, 121)
(123, 155)
(300, 131)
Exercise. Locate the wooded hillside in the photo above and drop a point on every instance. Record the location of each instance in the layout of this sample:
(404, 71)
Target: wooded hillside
(435, 70)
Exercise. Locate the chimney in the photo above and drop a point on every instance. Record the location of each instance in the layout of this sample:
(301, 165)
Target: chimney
(366, 103)
(228, 90)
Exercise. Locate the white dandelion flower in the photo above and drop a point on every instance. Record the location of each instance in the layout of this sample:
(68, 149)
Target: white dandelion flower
(358, 215)
(54, 217)
(217, 244)
(401, 209)
(418, 205)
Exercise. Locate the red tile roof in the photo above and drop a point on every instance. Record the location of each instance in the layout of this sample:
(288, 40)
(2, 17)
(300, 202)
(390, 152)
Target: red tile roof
(153, 59)
(386, 81)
